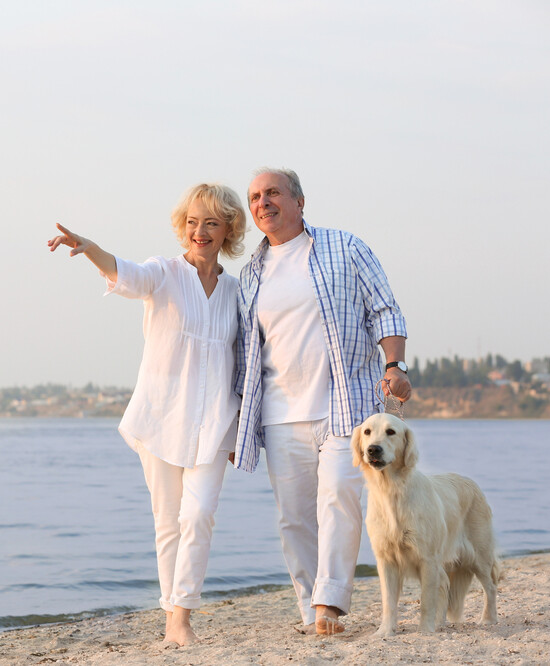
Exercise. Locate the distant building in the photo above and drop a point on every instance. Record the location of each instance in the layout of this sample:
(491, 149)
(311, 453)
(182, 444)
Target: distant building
(543, 378)
(498, 378)
(539, 366)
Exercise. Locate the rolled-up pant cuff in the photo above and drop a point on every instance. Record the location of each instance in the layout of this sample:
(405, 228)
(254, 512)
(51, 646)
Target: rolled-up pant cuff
(166, 605)
(330, 592)
(307, 612)
(190, 603)
(182, 602)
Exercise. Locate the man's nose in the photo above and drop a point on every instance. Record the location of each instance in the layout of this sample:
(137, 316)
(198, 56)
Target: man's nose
(264, 200)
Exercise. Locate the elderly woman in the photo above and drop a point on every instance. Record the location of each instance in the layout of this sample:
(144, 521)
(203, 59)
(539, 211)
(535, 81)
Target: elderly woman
(181, 419)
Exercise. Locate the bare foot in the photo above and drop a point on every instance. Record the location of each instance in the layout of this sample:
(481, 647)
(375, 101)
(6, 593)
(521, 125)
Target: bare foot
(178, 629)
(327, 622)
(182, 636)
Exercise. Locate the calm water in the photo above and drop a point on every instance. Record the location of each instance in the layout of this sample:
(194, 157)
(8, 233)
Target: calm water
(76, 534)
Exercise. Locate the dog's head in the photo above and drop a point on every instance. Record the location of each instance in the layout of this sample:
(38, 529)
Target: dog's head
(382, 441)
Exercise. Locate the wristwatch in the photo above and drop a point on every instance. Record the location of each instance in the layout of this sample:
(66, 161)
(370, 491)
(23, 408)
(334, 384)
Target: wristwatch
(397, 364)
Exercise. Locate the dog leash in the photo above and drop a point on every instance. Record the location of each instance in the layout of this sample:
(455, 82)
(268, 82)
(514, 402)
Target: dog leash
(397, 405)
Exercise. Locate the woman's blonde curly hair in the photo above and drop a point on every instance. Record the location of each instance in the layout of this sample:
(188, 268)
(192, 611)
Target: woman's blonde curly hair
(224, 204)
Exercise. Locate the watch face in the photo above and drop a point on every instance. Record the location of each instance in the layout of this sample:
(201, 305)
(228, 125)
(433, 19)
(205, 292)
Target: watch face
(398, 364)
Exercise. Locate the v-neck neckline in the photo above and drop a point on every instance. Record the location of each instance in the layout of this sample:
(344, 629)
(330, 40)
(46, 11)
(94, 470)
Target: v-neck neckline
(195, 271)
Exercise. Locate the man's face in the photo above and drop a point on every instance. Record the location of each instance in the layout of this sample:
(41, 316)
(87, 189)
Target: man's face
(274, 210)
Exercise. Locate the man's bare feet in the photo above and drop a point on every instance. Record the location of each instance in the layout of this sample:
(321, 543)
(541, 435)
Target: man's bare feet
(327, 622)
(178, 627)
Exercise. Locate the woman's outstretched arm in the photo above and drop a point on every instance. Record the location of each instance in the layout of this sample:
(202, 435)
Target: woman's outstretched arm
(103, 260)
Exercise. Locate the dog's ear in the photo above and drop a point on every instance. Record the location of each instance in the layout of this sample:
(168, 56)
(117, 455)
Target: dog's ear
(410, 451)
(356, 446)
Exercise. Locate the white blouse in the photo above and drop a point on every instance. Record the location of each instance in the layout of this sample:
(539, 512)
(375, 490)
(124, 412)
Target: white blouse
(183, 409)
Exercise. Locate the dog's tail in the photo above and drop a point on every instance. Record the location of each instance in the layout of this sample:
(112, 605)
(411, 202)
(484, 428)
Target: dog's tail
(460, 580)
(497, 570)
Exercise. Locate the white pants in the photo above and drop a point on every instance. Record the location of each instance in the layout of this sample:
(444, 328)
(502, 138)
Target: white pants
(318, 492)
(184, 501)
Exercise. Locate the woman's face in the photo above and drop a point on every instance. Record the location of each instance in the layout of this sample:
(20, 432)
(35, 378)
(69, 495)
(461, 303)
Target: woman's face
(205, 233)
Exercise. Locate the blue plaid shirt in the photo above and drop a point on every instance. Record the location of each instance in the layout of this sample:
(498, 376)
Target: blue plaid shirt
(357, 310)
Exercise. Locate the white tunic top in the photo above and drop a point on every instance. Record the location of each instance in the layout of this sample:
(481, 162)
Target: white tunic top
(295, 364)
(183, 409)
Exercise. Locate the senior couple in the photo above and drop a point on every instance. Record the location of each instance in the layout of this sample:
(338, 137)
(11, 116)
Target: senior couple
(311, 308)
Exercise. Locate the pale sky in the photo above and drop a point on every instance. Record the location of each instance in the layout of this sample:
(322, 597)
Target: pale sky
(422, 127)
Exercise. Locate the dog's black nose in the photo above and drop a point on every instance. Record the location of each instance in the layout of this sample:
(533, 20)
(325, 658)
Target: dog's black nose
(374, 450)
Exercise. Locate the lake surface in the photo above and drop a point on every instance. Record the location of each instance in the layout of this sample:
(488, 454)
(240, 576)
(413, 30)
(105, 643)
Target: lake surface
(76, 530)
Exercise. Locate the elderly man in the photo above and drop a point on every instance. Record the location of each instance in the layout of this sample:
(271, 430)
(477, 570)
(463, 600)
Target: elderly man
(314, 305)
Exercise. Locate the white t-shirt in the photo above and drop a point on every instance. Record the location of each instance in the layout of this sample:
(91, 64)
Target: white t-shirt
(295, 360)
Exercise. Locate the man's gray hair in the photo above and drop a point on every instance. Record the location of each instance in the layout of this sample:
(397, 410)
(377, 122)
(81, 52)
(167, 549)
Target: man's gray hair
(294, 184)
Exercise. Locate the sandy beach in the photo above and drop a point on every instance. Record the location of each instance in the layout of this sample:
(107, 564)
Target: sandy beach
(260, 629)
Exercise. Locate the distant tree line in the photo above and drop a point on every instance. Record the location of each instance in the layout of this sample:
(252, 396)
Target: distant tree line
(443, 372)
(59, 393)
(459, 372)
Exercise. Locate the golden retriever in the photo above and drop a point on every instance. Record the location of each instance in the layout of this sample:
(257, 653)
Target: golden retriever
(437, 529)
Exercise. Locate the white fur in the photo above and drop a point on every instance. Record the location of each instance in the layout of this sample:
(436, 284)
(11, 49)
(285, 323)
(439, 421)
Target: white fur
(437, 529)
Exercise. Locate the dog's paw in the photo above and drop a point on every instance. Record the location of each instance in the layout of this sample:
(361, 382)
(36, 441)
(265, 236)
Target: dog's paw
(488, 621)
(384, 632)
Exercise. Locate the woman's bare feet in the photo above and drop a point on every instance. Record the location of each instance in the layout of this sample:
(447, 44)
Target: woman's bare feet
(178, 627)
(326, 620)
(168, 623)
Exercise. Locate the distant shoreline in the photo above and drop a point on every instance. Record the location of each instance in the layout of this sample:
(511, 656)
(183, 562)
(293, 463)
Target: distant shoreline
(471, 402)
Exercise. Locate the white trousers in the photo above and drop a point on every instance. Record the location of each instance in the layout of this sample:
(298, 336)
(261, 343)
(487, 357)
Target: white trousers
(184, 501)
(318, 493)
